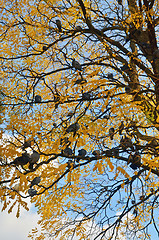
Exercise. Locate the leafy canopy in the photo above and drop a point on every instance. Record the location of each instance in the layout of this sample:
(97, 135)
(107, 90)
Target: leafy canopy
(80, 86)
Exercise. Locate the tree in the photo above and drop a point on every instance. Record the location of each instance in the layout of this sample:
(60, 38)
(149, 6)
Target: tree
(81, 88)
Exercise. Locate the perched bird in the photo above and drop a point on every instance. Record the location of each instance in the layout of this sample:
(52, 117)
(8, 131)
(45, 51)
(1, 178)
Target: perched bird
(82, 152)
(106, 117)
(76, 65)
(73, 128)
(32, 192)
(26, 144)
(55, 125)
(96, 152)
(67, 151)
(134, 166)
(37, 99)
(133, 201)
(108, 153)
(34, 157)
(125, 68)
(86, 96)
(111, 133)
(110, 75)
(35, 181)
(121, 127)
(58, 24)
(45, 48)
(22, 160)
(78, 28)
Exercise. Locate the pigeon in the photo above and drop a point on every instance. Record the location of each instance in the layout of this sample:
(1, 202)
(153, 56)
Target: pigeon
(22, 160)
(78, 28)
(108, 153)
(86, 96)
(32, 192)
(96, 152)
(37, 99)
(76, 65)
(125, 68)
(35, 181)
(121, 127)
(26, 144)
(67, 151)
(58, 24)
(110, 75)
(73, 128)
(35, 156)
(111, 133)
(82, 152)
(134, 166)
(45, 48)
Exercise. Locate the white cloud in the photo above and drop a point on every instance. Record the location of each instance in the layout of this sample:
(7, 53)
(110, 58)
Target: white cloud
(17, 228)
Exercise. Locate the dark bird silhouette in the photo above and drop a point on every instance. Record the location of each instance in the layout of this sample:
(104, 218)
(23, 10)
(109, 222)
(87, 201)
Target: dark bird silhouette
(58, 24)
(86, 96)
(110, 75)
(34, 157)
(35, 181)
(26, 144)
(22, 160)
(32, 192)
(96, 152)
(78, 28)
(45, 48)
(125, 68)
(67, 151)
(76, 65)
(111, 133)
(82, 152)
(73, 128)
(38, 99)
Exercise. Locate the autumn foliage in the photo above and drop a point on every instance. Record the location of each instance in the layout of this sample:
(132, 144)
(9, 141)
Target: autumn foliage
(80, 116)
